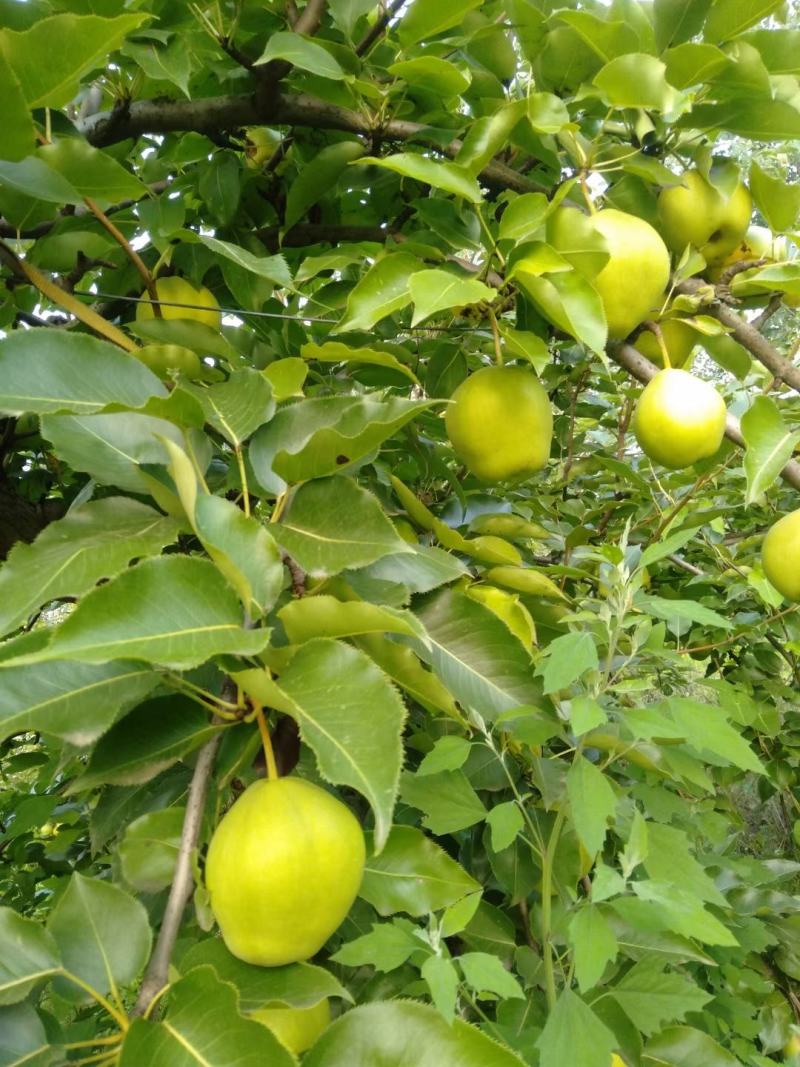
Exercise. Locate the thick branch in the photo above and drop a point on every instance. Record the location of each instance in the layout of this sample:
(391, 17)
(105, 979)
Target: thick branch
(749, 337)
(643, 370)
(183, 881)
(212, 114)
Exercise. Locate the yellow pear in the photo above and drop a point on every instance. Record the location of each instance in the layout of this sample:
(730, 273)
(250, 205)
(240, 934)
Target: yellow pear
(162, 359)
(296, 1028)
(617, 1061)
(260, 145)
(698, 213)
(636, 273)
(780, 556)
(283, 869)
(679, 419)
(500, 423)
(203, 304)
(679, 339)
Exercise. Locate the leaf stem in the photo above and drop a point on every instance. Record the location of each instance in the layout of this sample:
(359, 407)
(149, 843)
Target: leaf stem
(243, 479)
(119, 1017)
(498, 348)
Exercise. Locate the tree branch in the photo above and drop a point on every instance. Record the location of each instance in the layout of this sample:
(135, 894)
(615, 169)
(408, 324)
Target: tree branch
(376, 31)
(749, 337)
(643, 370)
(183, 882)
(212, 114)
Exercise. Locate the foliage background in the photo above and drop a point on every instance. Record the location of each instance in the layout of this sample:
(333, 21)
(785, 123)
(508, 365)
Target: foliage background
(580, 814)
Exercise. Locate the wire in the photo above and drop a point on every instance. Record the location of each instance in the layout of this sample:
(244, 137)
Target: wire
(244, 313)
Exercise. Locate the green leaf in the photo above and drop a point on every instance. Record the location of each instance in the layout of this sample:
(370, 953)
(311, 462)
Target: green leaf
(757, 118)
(593, 943)
(547, 113)
(448, 800)
(297, 985)
(147, 741)
(303, 53)
(325, 616)
(770, 445)
(442, 979)
(523, 216)
(103, 935)
(386, 947)
(333, 524)
(424, 20)
(17, 135)
(670, 610)
(111, 447)
(779, 49)
(439, 290)
(573, 1034)
(568, 657)
(486, 974)
(318, 178)
(73, 45)
(93, 541)
(35, 179)
(471, 653)
(23, 1039)
(176, 611)
(487, 135)
(525, 580)
(243, 549)
(346, 13)
(380, 292)
(675, 911)
(315, 438)
(433, 74)
(661, 549)
(404, 668)
(92, 172)
(202, 1028)
(45, 370)
(273, 268)
(570, 302)
(707, 729)
(28, 955)
(73, 701)
(414, 875)
(238, 406)
(405, 1032)
(149, 849)
(693, 63)
(683, 1046)
(651, 997)
(172, 62)
(670, 858)
(728, 18)
(419, 571)
(776, 199)
(636, 80)
(678, 20)
(449, 177)
(286, 376)
(332, 691)
(592, 803)
(336, 352)
(505, 821)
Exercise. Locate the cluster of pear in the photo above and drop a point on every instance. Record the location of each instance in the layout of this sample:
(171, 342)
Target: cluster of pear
(284, 866)
(499, 420)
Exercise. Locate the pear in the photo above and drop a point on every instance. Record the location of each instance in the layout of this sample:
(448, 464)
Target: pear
(500, 423)
(698, 213)
(203, 304)
(283, 869)
(679, 340)
(679, 419)
(780, 556)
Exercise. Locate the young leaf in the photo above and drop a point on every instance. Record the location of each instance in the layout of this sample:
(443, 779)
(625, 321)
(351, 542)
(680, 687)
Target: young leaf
(651, 997)
(441, 978)
(387, 946)
(594, 944)
(486, 974)
(592, 803)
(568, 657)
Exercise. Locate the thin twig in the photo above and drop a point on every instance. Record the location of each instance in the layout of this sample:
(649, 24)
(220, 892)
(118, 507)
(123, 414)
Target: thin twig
(183, 881)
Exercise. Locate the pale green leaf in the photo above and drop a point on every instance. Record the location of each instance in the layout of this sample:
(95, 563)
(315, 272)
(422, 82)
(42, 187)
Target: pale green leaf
(568, 657)
(594, 945)
(424, 20)
(448, 800)
(651, 997)
(449, 177)
(17, 135)
(433, 291)
(325, 616)
(336, 352)
(486, 974)
(380, 292)
(303, 53)
(93, 173)
(592, 803)
(770, 445)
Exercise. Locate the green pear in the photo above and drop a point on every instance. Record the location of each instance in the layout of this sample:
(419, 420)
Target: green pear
(700, 214)
(679, 419)
(679, 340)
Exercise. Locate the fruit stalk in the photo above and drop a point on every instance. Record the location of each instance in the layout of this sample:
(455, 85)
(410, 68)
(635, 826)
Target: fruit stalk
(266, 741)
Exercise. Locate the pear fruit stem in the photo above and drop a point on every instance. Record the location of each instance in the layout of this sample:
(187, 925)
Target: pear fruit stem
(266, 741)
